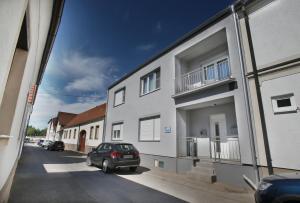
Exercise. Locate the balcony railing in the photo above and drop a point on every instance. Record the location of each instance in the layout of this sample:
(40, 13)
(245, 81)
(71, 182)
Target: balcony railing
(218, 149)
(203, 76)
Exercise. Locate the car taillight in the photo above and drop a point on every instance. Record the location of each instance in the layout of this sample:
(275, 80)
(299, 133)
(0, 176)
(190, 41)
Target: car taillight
(136, 154)
(115, 154)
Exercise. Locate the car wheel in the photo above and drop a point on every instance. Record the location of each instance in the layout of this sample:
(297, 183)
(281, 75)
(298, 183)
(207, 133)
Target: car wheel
(88, 161)
(105, 167)
(132, 169)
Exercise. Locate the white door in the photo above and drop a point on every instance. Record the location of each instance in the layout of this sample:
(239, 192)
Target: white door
(218, 132)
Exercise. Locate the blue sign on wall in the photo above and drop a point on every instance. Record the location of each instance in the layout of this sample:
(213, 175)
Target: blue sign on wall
(167, 130)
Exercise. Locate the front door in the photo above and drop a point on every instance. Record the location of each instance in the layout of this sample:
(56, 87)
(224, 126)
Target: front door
(82, 141)
(218, 132)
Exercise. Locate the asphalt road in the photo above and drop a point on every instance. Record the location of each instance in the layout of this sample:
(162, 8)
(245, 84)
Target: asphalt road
(46, 176)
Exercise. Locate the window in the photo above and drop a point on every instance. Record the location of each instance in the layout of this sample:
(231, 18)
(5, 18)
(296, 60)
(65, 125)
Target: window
(150, 82)
(96, 132)
(119, 97)
(149, 129)
(284, 103)
(117, 131)
(91, 132)
(70, 134)
(74, 136)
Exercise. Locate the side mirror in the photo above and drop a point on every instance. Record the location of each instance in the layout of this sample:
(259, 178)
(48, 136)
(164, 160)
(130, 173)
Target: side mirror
(93, 149)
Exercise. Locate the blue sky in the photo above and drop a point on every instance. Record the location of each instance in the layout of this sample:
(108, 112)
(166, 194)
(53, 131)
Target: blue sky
(100, 41)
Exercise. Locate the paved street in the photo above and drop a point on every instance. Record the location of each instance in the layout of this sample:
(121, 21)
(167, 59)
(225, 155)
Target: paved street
(46, 176)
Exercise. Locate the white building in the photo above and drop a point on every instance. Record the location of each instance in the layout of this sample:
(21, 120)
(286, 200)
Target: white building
(27, 28)
(51, 129)
(57, 124)
(270, 33)
(85, 130)
(185, 109)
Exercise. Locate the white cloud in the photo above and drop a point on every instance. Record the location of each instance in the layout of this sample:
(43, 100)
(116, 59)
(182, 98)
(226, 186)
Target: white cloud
(145, 47)
(87, 73)
(47, 106)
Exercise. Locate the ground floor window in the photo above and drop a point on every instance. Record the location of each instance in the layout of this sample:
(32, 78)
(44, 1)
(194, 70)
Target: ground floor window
(149, 129)
(117, 131)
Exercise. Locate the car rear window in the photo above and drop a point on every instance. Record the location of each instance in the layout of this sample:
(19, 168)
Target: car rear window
(124, 147)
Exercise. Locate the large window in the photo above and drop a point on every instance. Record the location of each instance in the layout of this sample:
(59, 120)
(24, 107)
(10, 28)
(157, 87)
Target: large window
(97, 132)
(117, 131)
(149, 129)
(150, 82)
(119, 97)
(91, 132)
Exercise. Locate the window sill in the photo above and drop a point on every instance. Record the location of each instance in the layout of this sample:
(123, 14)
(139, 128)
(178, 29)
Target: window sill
(5, 136)
(149, 140)
(141, 95)
(4, 140)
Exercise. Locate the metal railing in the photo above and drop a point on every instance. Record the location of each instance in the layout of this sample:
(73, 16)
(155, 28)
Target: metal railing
(204, 75)
(215, 148)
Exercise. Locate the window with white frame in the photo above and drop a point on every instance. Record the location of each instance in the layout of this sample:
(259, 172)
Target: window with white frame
(119, 97)
(91, 132)
(284, 103)
(117, 131)
(70, 134)
(74, 136)
(149, 129)
(97, 132)
(150, 82)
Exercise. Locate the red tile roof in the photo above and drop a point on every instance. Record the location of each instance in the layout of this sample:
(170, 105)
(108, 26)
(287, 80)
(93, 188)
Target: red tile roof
(64, 117)
(93, 114)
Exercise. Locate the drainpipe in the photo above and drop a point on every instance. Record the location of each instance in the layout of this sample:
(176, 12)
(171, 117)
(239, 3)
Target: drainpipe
(258, 93)
(246, 96)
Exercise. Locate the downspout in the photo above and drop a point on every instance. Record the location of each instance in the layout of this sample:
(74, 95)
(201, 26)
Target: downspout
(246, 95)
(258, 94)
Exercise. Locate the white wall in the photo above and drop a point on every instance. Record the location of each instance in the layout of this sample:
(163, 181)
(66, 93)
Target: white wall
(283, 129)
(87, 127)
(275, 31)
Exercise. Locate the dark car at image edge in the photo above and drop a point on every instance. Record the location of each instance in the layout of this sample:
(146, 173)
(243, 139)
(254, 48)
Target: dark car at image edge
(110, 156)
(280, 188)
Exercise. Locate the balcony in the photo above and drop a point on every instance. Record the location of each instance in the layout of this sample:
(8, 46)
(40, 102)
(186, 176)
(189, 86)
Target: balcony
(210, 74)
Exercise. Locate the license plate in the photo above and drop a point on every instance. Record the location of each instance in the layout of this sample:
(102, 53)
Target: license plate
(127, 156)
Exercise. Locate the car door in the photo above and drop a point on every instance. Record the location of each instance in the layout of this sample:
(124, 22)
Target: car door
(95, 155)
(104, 152)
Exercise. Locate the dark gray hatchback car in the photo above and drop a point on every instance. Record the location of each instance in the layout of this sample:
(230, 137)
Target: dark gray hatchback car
(110, 156)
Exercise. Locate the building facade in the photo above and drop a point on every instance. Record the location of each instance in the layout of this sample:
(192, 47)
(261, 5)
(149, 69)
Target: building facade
(185, 108)
(85, 131)
(27, 28)
(270, 32)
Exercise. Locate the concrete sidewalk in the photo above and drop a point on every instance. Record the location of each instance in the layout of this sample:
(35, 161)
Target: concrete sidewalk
(185, 188)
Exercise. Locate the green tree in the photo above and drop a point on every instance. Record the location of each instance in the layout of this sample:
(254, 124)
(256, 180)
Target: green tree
(35, 132)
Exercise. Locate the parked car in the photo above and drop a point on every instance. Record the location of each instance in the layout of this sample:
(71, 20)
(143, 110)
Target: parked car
(46, 143)
(40, 142)
(56, 146)
(282, 188)
(111, 156)
(27, 140)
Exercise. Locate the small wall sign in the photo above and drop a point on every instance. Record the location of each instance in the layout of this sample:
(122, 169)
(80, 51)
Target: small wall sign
(167, 130)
